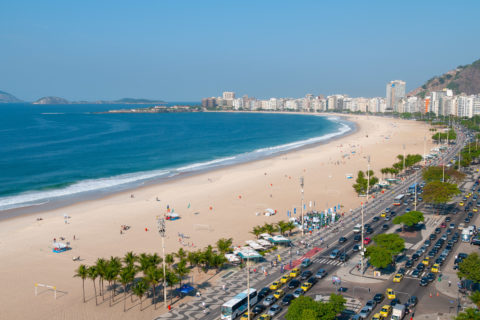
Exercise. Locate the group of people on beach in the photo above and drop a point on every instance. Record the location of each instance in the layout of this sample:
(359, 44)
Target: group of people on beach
(123, 228)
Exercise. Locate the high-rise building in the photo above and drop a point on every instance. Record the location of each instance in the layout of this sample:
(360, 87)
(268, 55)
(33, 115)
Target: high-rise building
(395, 92)
(228, 95)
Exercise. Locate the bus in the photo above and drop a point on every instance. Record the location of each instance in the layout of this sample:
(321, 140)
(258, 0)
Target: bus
(397, 201)
(238, 304)
(413, 187)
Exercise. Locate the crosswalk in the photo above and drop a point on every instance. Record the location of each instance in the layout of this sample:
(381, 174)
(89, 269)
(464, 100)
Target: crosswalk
(408, 274)
(328, 261)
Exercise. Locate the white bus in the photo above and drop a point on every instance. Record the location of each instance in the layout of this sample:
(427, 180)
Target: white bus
(238, 304)
(397, 201)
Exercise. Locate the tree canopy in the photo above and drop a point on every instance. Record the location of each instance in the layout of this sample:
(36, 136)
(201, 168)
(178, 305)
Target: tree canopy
(362, 181)
(435, 173)
(410, 218)
(469, 314)
(392, 242)
(469, 268)
(305, 308)
(379, 257)
(438, 192)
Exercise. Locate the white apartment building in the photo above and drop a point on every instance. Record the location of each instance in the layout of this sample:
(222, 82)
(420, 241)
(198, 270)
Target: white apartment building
(395, 92)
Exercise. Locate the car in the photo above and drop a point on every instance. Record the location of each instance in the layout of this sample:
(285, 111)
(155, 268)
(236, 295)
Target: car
(343, 257)
(427, 243)
(285, 278)
(415, 273)
(385, 311)
(439, 261)
(263, 292)
(321, 273)
(443, 225)
(470, 215)
(461, 226)
(462, 255)
(357, 238)
(375, 219)
(390, 293)
(356, 248)
(287, 299)
(448, 232)
(364, 313)
(461, 204)
(387, 218)
(475, 209)
(398, 278)
(392, 213)
(278, 294)
(367, 240)
(409, 263)
(274, 310)
(448, 219)
(420, 267)
(383, 214)
(293, 284)
(306, 263)
(269, 300)
(275, 285)
(259, 308)
(423, 282)
(377, 316)
(312, 280)
(426, 261)
(245, 316)
(342, 240)
(412, 301)
(306, 274)
(438, 230)
(430, 276)
(385, 227)
(294, 272)
(394, 302)
(298, 292)
(401, 271)
(306, 286)
(334, 254)
(371, 304)
(432, 236)
(378, 297)
(415, 256)
(265, 317)
(466, 220)
(369, 231)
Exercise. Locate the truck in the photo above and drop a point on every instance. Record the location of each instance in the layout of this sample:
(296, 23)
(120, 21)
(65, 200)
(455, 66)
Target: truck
(467, 233)
(398, 312)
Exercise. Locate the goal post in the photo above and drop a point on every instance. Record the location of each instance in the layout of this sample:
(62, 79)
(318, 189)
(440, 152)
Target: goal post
(49, 287)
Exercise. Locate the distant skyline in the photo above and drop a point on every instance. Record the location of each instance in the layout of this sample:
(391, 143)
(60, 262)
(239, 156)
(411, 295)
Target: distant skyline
(187, 50)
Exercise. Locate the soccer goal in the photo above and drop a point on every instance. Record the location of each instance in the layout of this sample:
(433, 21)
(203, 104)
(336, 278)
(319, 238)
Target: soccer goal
(48, 287)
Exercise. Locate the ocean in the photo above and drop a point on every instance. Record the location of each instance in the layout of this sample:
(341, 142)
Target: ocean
(54, 153)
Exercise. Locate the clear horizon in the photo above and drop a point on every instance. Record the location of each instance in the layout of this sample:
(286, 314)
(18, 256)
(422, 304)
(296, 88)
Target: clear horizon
(187, 50)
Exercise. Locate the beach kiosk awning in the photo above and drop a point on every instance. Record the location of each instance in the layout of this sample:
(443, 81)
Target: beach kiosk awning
(279, 240)
(265, 236)
(248, 253)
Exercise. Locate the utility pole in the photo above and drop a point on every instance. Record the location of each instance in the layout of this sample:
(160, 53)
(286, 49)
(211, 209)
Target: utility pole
(363, 225)
(161, 231)
(248, 287)
(362, 253)
(424, 148)
(404, 158)
(301, 189)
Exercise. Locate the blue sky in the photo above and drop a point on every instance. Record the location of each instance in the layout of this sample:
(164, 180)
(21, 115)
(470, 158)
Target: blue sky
(186, 50)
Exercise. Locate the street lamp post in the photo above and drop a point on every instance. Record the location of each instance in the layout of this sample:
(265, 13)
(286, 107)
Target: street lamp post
(161, 231)
(301, 189)
(403, 158)
(248, 288)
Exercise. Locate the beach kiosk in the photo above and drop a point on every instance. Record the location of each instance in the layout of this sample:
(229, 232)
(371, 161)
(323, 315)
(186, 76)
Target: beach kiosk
(172, 216)
(60, 247)
(281, 240)
(248, 253)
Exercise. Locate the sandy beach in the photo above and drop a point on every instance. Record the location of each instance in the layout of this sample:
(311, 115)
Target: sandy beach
(212, 205)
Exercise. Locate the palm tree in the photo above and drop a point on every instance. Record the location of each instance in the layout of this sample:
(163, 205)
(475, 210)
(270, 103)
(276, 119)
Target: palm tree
(289, 227)
(181, 270)
(101, 265)
(193, 259)
(218, 260)
(145, 262)
(169, 260)
(282, 227)
(181, 254)
(111, 274)
(139, 290)
(116, 264)
(155, 260)
(130, 258)
(93, 274)
(257, 231)
(82, 272)
(153, 277)
(224, 245)
(172, 280)
(268, 228)
(125, 277)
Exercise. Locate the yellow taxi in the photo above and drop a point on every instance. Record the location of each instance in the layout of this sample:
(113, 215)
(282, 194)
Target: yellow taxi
(398, 277)
(265, 317)
(426, 261)
(468, 195)
(475, 209)
(285, 278)
(383, 214)
(279, 293)
(294, 272)
(377, 316)
(385, 311)
(435, 268)
(390, 294)
(245, 316)
(275, 285)
(461, 204)
(306, 286)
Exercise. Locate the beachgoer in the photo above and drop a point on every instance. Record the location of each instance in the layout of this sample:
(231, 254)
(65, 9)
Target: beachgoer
(73, 237)
(224, 288)
(54, 239)
(449, 283)
(121, 231)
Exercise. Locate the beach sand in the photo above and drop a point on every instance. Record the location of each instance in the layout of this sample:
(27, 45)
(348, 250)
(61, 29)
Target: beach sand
(223, 203)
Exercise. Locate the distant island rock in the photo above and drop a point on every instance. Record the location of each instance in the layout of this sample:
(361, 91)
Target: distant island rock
(51, 100)
(6, 97)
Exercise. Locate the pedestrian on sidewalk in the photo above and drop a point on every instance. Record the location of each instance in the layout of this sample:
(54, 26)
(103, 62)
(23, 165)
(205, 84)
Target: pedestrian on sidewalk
(449, 283)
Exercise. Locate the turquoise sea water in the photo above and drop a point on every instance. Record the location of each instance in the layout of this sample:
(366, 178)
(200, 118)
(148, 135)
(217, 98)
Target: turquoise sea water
(52, 152)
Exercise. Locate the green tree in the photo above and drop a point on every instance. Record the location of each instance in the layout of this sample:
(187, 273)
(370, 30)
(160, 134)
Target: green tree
(436, 173)
(224, 245)
(115, 263)
(82, 273)
(101, 265)
(169, 260)
(93, 274)
(475, 298)
(130, 258)
(181, 269)
(181, 254)
(468, 314)
(438, 192)
(126, 276)
(172, 279)
(257, 231)
(379, 257)
(362, 182)
(305, 308)
(268, 228)
(392, 242)
(111, 274)
(153, 277)
(469, 268)
(139, 290)
(409, 218)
